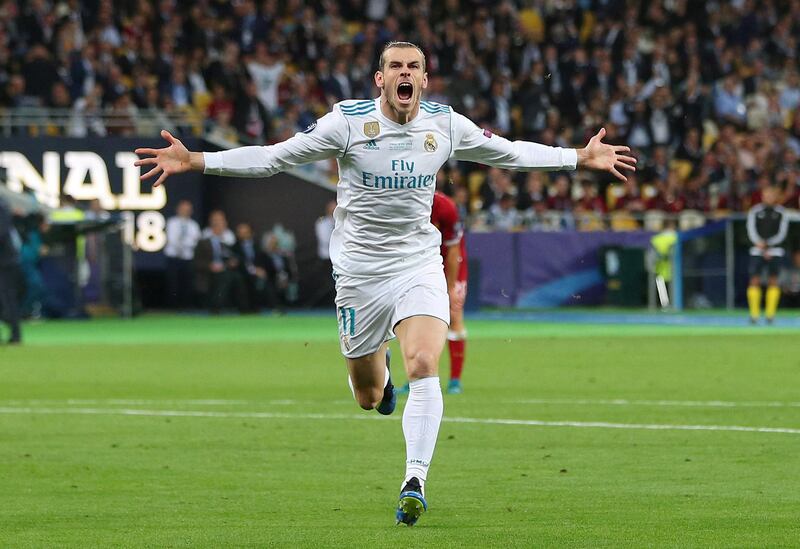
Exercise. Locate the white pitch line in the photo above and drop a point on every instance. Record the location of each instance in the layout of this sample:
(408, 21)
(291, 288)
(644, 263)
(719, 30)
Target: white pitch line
(670, 403)
(178, 402)
(484, 421)
(291, 402)
(142, 402)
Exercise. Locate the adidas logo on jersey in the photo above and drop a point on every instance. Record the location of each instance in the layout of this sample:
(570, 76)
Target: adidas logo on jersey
(371, 145)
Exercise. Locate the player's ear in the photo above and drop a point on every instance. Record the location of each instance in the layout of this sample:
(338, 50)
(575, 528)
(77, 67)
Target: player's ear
(379, 79)
(424, 80)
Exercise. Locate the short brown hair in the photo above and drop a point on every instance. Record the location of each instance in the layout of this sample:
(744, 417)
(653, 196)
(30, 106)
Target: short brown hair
(389, 45)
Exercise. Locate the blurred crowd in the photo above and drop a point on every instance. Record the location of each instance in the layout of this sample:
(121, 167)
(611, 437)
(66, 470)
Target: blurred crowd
(54, 262)
(706, 93)
(219, 268)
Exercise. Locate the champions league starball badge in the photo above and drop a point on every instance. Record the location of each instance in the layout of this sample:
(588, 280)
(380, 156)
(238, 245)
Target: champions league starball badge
(310, 127)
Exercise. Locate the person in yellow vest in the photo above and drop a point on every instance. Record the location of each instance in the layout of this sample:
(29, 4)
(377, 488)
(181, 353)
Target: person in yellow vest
(67, 213)
(663, 244)
(767, 225)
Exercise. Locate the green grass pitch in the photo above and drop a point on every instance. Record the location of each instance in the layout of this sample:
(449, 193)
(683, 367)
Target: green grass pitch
(241, 431)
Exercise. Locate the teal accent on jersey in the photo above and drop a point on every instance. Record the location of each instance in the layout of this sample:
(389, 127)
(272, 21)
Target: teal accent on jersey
(352, 321)
(358, 106)
(359, 113)
(362, 107)
(357, 103)
(435, 110)
(397, 181)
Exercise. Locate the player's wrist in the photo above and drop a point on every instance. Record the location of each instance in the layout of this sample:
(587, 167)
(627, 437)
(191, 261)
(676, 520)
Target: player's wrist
(197, 162)
(582, 155)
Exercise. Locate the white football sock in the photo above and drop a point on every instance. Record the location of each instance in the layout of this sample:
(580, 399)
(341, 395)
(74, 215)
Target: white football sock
(421, 419)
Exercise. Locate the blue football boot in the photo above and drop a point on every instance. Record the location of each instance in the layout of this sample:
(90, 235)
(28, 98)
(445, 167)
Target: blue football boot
(412, 504)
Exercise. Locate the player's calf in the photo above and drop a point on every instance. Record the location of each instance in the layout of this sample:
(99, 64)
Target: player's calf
(368, 398)
(368, 376)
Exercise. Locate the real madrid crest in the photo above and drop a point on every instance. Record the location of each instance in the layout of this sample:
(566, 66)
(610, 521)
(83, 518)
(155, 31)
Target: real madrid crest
(430, 143)
(372, 129)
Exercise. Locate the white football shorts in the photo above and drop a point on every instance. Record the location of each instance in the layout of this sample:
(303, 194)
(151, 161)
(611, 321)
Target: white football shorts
(370, 308)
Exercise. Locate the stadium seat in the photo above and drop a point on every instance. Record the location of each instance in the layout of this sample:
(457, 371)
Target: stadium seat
(590, 222)
(654, 220)
(691, 219)
(623, 221)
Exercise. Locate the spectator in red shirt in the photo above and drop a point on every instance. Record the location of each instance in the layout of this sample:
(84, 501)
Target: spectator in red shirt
(219, 101)
(695, 195)
(535, 192)
(632, 199)
(791, 190)
(561, 200)
(762, 183)
(668, 197)
(590, 201)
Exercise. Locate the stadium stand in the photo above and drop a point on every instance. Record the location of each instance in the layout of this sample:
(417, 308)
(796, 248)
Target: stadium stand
(706, 92)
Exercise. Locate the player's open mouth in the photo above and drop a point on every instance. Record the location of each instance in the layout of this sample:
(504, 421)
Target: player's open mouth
(404, 91)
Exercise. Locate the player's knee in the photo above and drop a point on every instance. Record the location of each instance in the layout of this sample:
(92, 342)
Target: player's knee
(422, 364)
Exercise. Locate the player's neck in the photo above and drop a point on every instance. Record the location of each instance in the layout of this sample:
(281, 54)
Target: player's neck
(396, 116)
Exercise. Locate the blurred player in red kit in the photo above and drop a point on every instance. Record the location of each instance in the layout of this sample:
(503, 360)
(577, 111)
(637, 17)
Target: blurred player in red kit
(444, 216)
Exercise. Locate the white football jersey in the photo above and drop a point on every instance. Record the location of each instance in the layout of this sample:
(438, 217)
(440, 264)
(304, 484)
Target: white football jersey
(387, 176)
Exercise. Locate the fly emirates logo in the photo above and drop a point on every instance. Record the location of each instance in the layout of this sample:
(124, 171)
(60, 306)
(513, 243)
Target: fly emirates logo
(402, 176)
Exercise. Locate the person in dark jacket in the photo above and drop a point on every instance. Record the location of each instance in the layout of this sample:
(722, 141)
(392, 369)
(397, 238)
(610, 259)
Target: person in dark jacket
(9, 273)
(767, 225)
(257, 280)
(217, 275)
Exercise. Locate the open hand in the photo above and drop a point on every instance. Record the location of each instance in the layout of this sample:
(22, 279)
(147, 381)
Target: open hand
(609, 158)
(167, 161)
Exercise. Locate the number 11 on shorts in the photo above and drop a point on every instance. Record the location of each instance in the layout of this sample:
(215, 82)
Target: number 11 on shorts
(348, 318)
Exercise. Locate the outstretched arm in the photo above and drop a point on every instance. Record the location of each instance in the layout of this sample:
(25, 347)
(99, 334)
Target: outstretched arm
(325, 139)
(472, 143)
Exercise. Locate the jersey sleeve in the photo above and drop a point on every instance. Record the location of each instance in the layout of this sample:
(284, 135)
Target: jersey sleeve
(752, 232)
(474, 144)
(326, 138)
